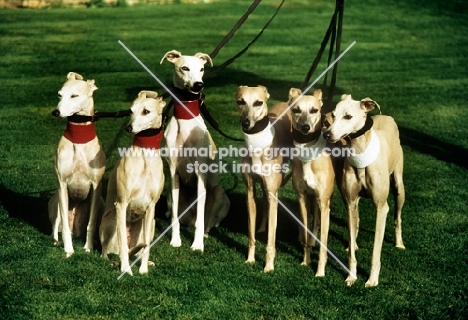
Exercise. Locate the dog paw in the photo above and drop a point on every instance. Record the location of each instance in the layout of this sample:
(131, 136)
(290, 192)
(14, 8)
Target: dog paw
(350, 281)
(400, 246)
(58, 243)
(126, 270)
(197, 247)
(176, 243)
(69, 254)
(268, 268)
(320, 274)
(371, 283)
(250, 261)
(151, 263)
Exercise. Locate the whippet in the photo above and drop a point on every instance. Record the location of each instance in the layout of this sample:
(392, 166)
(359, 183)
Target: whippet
(79, 164)
(313, 174)
(187, 131)
(265, 164)
(376, 166)
(135, 185)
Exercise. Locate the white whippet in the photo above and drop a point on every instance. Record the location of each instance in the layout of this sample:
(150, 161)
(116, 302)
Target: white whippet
(187, 131)
(135, 186)
(313, 174)
(376, 167)
(79, 164)
(266, 165)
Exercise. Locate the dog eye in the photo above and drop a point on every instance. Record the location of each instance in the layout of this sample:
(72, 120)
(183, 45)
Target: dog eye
(297, 110)
(313, 111)
(347, 117)
(185, 68)
(202, 69)
(60, 96)
(241, 103)
(74, 96)
(258, 103)
(145, 111)
(333, 115)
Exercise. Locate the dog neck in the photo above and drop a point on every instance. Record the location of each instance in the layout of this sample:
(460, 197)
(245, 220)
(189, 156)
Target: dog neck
(148, 139)
(370, 143)
(80, 133)
(190, 107)
(261, 135)
(301, 138)
(367, 126)
(313, 148)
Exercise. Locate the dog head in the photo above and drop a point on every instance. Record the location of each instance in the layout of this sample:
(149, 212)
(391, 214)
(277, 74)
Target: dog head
(188, 70)
(348, 117)
(76, 97)
(147, 111)
(305, 110)
(252, 105)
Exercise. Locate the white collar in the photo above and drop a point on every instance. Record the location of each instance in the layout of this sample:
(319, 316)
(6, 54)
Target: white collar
(310, 152)
(364, 159)
(262, 139)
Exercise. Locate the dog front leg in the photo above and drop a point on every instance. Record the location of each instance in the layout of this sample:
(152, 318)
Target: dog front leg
(175, 239)
(200, 220)
(353, 222)
(121, 214)
(63, 208)
(93, 214)
(324, 203)
(304, 230)
(382, 210)
(272, 223)
(252, 217)
(148, 233)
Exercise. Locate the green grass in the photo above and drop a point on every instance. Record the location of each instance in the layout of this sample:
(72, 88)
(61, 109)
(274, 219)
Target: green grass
(410, 57)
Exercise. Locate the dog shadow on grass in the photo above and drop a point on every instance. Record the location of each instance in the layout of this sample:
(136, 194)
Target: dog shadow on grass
(30, 209)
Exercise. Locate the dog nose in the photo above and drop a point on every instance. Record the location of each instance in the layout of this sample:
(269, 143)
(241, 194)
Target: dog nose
(129, 128)
(327, 135)
(246, 123)
(305, 128)
(198, 86)
(56, 113)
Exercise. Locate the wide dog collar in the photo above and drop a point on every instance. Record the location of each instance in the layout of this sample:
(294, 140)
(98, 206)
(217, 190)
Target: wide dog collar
(364, 159)
(188, 110)
(260, 139)
(300, 138)
(367, 126)
(311, 151)
(80, 133)
(149, 138)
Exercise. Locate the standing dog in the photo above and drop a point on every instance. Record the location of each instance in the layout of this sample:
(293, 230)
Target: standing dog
(186, 131)
(378, 156)
(313, 173)
(135, 185)
(79, 164)
(265, 165)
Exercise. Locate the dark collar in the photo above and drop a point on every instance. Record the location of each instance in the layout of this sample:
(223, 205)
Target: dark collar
(299, 137)
(367, 126)
(259, 126)
(184, 95)
(77, 118)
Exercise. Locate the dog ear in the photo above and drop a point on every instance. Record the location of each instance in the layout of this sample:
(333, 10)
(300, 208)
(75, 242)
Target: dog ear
(206, 58)
(162, 103)
(91, 85)
(318, 94)
(346, 97)
(368, 104)
(74, 76)
(171, 56)
(148, 94)
(265, 89)
(294, 93)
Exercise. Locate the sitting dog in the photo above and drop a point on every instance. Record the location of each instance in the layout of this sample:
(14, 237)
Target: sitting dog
(313, 174)
(376, 166)
(135, 185)
(79, 164)
(187, 131)
(265, 165)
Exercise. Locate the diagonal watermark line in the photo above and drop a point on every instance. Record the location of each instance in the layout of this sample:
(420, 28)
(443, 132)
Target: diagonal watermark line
(146, 250)
(314, 236)
(313, 83)
(162, 84)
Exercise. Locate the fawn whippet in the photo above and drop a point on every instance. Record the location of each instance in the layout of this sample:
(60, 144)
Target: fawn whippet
(376, 166)
(79, 164)
(265, 164)
(313, 173)
(187, 131)
(135, 185)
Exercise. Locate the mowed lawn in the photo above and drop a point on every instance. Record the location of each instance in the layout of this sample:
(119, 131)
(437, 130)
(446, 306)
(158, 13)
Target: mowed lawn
(409, 56)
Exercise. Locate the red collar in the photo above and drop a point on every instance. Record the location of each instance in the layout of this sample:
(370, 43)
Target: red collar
(149, 139)
(80, 133)
(181, 112)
